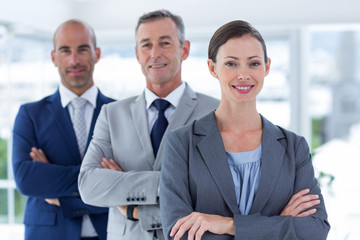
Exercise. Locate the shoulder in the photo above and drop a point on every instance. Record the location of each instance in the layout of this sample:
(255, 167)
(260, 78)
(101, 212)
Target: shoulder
(204, 99)
(40, 104)
(123, 103)
(288, 139)
(205, 125)
(104, 99)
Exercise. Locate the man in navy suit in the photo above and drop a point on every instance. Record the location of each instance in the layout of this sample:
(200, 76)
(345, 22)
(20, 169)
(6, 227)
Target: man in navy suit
(48, 146)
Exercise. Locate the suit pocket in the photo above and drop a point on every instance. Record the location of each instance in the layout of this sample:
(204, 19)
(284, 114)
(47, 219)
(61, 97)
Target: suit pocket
(40, 218)
(116, 228)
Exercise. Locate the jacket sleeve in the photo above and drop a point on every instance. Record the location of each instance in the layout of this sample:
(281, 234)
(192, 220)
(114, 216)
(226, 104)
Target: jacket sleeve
(314, 227)
(109, 188)
(37, 179)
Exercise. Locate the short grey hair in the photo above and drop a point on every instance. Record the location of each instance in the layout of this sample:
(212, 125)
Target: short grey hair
(160, 14)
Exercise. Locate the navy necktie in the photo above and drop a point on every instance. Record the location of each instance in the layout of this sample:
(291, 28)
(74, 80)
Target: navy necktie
(160, 125)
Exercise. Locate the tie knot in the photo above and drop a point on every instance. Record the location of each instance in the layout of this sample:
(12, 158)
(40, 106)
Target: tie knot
(78, 102)
(161, 104)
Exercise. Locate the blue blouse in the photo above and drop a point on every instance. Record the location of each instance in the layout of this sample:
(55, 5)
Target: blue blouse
(245, 170)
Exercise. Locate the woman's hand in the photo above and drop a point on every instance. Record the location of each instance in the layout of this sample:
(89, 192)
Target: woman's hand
(198, 223)
(300, 203)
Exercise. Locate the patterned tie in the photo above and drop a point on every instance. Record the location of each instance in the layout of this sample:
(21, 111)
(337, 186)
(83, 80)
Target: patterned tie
(160, 125)
(78, 120)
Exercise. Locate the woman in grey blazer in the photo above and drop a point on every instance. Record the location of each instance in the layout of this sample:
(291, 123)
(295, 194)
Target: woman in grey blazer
(233, 174)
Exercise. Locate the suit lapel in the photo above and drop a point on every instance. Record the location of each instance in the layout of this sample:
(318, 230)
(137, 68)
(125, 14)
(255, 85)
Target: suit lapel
(187, 105)
(63, 122)
(270, 164)
(139, 115)
(215, 159)
(100, 100)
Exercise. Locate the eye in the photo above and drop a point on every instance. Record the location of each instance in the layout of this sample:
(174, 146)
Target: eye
(146, 45)
(165, 43)
(64, 50)
(230, 64)
(84, 49)
(255, 64)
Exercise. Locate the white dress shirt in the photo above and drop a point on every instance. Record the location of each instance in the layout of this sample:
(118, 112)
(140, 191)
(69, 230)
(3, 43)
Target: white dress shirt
(173, 98)
(87, 229)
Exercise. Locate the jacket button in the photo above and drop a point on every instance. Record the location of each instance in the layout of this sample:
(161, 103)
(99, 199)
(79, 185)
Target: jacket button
(128, 199)
(143, 199)
(158, 225)
(153, 225)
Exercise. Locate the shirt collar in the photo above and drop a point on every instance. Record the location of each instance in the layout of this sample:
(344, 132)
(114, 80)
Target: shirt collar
(173, 98)
(67, 95)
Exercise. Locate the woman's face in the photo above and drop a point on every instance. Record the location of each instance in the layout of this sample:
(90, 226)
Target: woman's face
(240, 67)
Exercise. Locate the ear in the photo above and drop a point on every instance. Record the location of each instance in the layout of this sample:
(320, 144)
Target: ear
(185, 50)
(98, 54)
(53, 57)
(211, 66)
(136, 53)
(267, 66)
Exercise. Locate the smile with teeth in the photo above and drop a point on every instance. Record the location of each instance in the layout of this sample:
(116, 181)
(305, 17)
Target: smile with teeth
(243, 88)
(158, 66)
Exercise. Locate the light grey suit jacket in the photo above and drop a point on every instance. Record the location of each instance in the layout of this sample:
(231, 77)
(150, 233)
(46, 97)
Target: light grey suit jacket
(121, 133)
(195, 176)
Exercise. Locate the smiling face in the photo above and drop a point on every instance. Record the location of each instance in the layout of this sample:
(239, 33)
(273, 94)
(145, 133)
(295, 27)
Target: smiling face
(160, 55)
(75, 55)
(241, 68)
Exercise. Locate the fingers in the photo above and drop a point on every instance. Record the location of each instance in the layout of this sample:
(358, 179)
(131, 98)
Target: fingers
(38, 155)
(300, 204)
(179, 223)
(53, 201)
(110, 164)
(196, 224)
(297, 195)
(122, 209)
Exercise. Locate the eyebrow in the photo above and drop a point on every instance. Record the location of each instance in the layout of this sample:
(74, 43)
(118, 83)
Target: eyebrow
(81, 46)
(236, 58)
(84, 46)
(161, 38)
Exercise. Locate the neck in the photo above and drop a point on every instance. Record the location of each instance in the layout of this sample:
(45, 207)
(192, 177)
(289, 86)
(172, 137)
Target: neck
(238, 117)
(162, 90)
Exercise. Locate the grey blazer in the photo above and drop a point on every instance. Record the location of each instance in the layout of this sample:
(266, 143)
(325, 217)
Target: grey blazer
(121, 133)
(195, 176)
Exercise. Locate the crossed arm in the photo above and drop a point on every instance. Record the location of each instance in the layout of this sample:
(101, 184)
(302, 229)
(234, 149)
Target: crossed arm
(196, 224)
(111, 164)
(37, 155)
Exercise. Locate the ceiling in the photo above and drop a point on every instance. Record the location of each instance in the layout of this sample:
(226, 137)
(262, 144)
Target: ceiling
(117, 18)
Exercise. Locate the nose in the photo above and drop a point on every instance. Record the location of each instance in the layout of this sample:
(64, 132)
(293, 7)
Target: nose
(155, 52)
(74, 58)
(243, 74)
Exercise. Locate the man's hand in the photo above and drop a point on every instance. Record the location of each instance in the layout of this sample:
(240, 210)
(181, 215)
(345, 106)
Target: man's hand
(123, 210)
(110, 164)
(300, 203)
(53, 201)
(38, 155)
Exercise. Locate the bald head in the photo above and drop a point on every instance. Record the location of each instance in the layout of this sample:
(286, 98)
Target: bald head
(75, 22)
(75, 55)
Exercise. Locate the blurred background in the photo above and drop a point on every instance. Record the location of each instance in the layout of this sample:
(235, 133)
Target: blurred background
(313, 87)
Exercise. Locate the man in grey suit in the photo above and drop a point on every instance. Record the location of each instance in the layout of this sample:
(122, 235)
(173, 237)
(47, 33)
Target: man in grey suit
(126, 135)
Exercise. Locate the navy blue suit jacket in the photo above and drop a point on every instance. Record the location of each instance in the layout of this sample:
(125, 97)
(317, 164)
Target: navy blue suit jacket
(47, 125)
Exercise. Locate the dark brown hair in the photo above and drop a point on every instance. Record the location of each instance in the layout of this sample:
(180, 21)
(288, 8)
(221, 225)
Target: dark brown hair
(230, 30)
